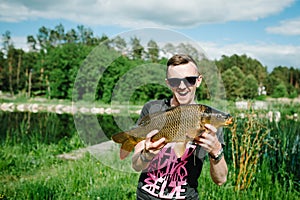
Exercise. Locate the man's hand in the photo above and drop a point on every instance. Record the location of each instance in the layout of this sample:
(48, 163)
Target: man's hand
(145, 151)
(153, 147)
(208, 140)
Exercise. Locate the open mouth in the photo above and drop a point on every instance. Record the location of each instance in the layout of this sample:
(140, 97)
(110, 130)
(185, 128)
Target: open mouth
(182, 93)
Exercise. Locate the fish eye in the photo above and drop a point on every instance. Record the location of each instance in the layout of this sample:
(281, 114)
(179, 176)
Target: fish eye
(219, 116)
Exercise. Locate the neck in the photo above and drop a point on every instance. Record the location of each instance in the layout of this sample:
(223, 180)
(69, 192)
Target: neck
(174, 102)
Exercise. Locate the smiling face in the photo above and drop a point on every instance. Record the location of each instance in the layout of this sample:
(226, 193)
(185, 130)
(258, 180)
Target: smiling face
(184, 93)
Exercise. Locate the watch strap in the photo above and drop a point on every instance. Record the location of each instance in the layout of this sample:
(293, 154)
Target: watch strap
(217, 156)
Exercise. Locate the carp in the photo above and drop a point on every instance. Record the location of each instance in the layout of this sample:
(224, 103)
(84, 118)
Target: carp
(178, 124)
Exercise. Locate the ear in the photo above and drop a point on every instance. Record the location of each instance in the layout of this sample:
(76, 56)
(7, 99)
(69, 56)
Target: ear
(167, 82)
(198, 81)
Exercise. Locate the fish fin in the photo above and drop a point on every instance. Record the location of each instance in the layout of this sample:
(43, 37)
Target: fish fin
(179, 148)
(125, 149)
(127, 142)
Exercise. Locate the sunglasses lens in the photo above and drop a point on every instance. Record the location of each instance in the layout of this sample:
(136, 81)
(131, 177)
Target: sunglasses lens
(191, 80)
(188, 81)
(174, 82)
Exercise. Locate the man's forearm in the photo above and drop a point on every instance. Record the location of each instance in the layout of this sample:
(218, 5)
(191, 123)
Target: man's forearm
(218, 171)
(141, 158)
(139, 164)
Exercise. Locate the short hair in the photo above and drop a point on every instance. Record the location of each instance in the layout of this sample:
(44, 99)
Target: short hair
(180, 59)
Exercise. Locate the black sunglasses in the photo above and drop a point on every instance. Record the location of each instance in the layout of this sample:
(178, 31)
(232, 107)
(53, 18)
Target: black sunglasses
(188, 81)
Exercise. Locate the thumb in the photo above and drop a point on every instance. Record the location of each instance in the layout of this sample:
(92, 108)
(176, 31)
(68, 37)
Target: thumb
(211, 129)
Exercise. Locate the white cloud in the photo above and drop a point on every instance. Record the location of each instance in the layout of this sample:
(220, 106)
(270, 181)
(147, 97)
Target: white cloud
(270, 55)
(20, 42)
(286, 27)
(132, 13)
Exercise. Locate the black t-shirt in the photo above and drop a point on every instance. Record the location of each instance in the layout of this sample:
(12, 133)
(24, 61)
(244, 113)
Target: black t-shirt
(169, 177)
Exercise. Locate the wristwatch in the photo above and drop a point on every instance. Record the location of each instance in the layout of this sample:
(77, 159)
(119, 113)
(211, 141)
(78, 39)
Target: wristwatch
(217, 156)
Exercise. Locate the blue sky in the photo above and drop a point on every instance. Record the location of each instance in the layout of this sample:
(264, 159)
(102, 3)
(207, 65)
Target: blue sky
(267, 30)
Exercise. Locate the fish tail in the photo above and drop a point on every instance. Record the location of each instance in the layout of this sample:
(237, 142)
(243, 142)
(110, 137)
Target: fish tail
(127, 142)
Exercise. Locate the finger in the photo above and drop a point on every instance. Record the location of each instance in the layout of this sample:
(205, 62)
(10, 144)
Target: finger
(152, 133)
(204, 134)
(197, 139)
(207, 144)
(205, 147)
(211, 128)
(159, 143)
(206, 141)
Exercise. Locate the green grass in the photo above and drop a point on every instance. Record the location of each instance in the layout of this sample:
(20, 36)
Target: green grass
(264, 186)
(82, 179)
(34, 172)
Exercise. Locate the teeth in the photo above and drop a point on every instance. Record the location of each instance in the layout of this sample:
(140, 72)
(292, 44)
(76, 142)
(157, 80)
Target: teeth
(182, 93)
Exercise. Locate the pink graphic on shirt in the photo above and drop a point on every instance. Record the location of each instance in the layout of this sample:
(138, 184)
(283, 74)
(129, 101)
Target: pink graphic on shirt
(167, 175)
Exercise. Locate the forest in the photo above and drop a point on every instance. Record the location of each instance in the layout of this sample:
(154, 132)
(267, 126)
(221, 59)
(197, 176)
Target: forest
(50, 65)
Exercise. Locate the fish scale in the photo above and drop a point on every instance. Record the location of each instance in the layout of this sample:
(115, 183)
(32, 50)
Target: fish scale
(174, 124)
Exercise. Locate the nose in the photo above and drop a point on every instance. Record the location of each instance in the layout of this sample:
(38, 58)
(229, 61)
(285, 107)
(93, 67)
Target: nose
(182, 85)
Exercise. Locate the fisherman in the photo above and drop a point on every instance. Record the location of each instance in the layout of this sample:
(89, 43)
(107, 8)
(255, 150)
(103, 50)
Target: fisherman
(164, 175)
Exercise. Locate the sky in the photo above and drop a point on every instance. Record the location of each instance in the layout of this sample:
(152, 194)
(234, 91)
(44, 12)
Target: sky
(266, 30)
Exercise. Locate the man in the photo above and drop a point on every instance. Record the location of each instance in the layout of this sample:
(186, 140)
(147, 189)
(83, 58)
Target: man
(164, 175)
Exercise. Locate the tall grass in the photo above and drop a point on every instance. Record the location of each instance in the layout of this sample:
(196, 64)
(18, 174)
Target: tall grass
(248, 139)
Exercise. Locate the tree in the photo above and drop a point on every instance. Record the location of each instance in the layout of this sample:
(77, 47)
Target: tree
(54, 38)
(32, 64)
(31, 41)
(60, 30)
(212, 85)
(2, 63)
(71, 36)
(229, 81)
(250, 87)
(43, 38)
(119, 44)
(169, 49)
(137, 48)
(153, 51)
(7, 42)
(61, 67)
(186, 48)
(85, 35)
(280, 91)
(246, 64)
(238, 73)
(288, 76)
(233, 84)
(9, 51)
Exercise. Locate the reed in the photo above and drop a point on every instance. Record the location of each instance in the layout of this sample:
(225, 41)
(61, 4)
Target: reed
(249, 138)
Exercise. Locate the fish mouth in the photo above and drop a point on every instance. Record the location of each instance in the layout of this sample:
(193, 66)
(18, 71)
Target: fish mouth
(229, 121)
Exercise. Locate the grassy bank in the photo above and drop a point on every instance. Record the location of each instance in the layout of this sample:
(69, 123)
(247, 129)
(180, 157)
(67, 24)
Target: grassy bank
(32, 171)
